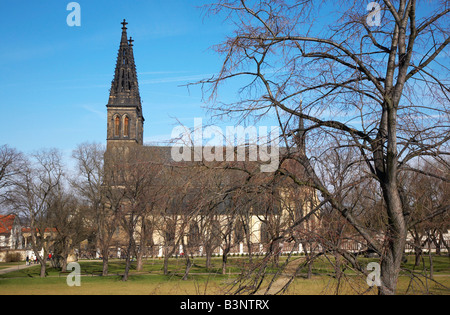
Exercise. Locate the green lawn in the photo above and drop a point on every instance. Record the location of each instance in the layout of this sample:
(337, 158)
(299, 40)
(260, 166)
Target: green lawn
(151, 280)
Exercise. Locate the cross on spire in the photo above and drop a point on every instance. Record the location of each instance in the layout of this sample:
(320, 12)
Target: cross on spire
(131, 40)
(124, 23)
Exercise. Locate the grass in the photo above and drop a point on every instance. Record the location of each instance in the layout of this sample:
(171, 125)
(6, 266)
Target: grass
(152, 281)
(112, 285)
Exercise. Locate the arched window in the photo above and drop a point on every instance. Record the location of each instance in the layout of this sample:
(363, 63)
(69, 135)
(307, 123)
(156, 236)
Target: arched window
(126, 127)
(117, 126)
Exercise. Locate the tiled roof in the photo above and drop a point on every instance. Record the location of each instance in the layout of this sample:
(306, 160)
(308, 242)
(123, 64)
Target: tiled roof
(47, 230)
(6, 223)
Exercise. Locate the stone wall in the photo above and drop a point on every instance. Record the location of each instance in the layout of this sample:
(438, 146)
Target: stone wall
(22, 252)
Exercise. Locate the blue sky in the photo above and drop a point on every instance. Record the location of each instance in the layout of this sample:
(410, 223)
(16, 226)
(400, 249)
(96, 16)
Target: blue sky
(55, 79)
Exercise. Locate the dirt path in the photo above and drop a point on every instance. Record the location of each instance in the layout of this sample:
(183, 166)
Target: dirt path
(15, 268)
(282, 280)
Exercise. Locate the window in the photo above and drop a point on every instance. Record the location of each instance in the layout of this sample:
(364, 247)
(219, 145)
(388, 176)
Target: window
(126, 127)
(117, 126)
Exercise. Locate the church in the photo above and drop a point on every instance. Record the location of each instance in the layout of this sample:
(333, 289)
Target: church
(197, 208)
(125, 118)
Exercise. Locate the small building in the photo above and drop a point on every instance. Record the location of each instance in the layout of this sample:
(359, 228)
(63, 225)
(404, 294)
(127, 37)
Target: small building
(10, 232)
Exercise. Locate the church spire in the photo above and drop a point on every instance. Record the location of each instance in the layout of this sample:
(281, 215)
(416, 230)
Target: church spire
(125, 118)
(124, 87)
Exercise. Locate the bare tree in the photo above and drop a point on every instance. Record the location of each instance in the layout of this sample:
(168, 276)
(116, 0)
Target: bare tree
(142, 189)
(102, 197)
(11, 162)
(67, 218)
(381, 88)
(33, 197)
(424, 198)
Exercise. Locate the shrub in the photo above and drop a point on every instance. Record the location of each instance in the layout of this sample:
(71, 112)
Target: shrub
(13, 257)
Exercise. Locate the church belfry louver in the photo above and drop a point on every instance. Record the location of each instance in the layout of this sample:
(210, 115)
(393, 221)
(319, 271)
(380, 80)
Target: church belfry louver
(125, 118)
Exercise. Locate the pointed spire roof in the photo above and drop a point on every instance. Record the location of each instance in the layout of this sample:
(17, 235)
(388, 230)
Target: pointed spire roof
(124, 88)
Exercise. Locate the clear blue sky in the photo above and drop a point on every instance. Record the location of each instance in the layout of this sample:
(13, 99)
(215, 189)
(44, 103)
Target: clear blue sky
(55, 79)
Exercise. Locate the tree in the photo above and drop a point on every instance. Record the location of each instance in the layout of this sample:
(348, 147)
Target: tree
(33, 196)
(67, 217)
(141, 185)
(381, 89)
(11, 162)
(102, 199)
(424, 196)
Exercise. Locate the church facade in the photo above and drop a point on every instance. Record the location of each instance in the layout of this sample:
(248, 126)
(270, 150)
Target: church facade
(199, 216)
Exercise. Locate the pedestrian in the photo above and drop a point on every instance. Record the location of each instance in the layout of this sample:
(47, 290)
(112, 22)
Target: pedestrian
(28, 260)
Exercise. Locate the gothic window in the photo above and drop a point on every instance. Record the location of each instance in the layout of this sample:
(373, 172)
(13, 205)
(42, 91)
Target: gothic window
(116, 126)
(126, 127)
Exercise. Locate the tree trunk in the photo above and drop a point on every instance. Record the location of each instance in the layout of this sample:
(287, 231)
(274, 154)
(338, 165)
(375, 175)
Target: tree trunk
(208, 258)
(187, 256)
(309, 275)
(417, 249)
(127, 267)
(139, 260)
(167, 254)
(64, 263)
(188, 268)
(250, 251)
(430, 257)
(391, 262)
(105, 266)
(389, 276)
(338, 270)
(225, 260)
(418, 254)
(396, 231)
(105, 258)
(128, 260)
(166, 265)
(43, 267)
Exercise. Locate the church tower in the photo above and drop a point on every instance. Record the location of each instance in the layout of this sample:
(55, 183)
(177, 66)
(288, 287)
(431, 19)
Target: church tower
(125, 118)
